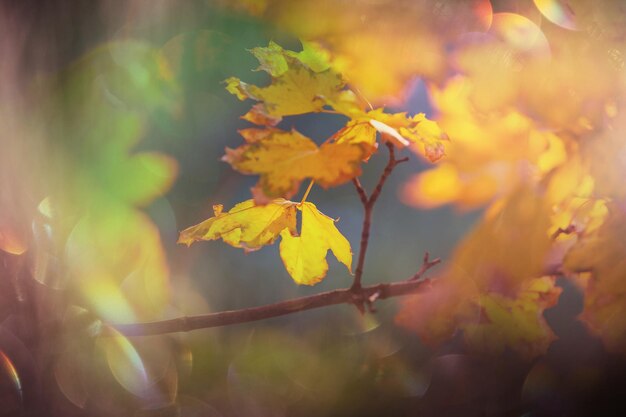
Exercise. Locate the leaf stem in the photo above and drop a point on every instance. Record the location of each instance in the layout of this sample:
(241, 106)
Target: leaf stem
(306, 193)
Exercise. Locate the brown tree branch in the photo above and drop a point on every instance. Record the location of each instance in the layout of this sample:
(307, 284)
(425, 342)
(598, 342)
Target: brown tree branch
(369, 294)
(246, 315)
(365, 237)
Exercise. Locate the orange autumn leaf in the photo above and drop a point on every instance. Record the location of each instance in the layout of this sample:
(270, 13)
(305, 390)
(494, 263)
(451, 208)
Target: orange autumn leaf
(398, 128)
(283, 159)
(304, 82)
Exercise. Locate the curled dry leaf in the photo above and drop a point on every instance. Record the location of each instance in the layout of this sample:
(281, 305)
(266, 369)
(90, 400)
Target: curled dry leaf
(246, 225)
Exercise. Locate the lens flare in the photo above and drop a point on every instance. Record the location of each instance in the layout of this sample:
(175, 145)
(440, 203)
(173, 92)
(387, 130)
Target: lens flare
(11, 240)
(125, 363)
(185, 361)
(358, 324)
(520, 33)
(69, 378)
(484, 12)
(107, 299)
(8, 366)
(558, 12)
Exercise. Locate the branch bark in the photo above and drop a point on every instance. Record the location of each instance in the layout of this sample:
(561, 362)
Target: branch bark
(370, 294)
(246, 315)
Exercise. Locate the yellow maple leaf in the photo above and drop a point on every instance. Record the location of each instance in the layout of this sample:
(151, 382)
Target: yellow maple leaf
(276, 61)
(272, 59)
(302, 82)
(250, 226)
(283, 159)
(397, 128)
(428, 133)
(304, 256)
(246, 225)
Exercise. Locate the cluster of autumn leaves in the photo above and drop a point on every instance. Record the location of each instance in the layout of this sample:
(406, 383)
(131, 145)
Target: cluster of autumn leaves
(536, 142)
(534, 111)
(535, 114)
(303, 82)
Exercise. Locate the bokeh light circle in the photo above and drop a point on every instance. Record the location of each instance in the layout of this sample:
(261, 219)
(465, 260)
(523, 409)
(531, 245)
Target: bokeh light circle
(558, 12)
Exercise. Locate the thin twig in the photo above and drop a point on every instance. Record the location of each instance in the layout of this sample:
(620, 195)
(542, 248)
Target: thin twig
(426, 265)
(565, 231)
(391, 164)
(360, 190)
(368, 205)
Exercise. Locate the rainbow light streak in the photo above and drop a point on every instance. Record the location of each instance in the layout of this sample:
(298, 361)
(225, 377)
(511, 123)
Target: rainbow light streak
(10, 368)
(558, 12)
